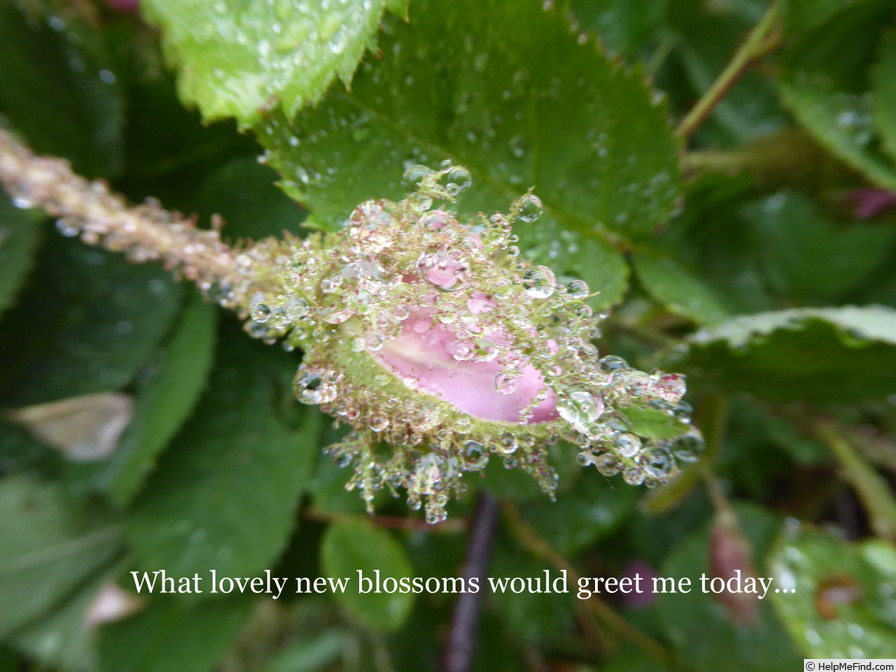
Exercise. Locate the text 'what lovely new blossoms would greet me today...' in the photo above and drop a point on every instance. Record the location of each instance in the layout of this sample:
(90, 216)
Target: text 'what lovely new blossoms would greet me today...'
(375, 583)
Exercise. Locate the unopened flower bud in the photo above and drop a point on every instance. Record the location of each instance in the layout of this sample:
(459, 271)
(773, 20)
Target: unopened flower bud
(432, 335)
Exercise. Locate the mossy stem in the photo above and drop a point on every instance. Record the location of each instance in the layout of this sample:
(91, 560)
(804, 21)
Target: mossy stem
(91, 210)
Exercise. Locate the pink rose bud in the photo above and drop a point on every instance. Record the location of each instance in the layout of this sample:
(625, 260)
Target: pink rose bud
(433, 336)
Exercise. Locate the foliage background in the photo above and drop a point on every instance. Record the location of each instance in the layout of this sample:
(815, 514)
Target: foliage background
(743, 256)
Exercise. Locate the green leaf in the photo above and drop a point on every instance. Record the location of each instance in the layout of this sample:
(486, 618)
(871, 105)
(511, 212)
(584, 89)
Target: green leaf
(48, 549)
(59, 90)
(591, 509)
(170, 635)
(243, 192)
(843, 606)
(573, 254)
(884, 94)
(802, 15)
(165, 397)
(808, 259)
(310, 656)
(86, 323)
(238, 59)
(352, 549)
(823, 354)
(225, 493)
(825, 85)
(624, 26)
(19, 237)
(700, 627)
(499, 88)
(653, 422)
(60, 638)
(679, 289)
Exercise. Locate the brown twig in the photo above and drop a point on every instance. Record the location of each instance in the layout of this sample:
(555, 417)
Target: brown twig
(761, 40)
(461, 642)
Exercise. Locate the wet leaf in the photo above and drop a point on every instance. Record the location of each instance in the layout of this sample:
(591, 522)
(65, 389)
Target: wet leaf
(59, 90)
(63, 637)
(806, 257)
(825, 85)
(19, 237)
(224, 495)
(49, 548)
(82, 325)
(238, 59)
(884, 94)
(466, 81)
(170, 635)
(653, 422)
(679, 289)
(244, 193)
(166, 395)
(592, 508)
(624, 26)
(826, 354)
(351, 549)
(844, 605)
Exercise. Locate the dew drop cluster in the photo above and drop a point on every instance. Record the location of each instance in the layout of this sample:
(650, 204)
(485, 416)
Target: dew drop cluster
(445, 350)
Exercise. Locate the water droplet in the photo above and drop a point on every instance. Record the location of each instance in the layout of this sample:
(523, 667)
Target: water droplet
(311, 386)
(414, 177)
(338, 41)
(378, 422)
(633, 475)
(506, 384)
(578, 289)
(296, 308)
(457, 179)
(660, 464)
(608, 464)
(670, 387)
(374, 342)
(627, 445)
(475, 455)
(66, 226)
(518, 146)
(689, 446)
(538, 282)
(444, 270)
(612, 363)
(507, 443)
(261, 313)
(530, 208)
(435, 219)
(333, 310)
(578, 405)
(584, 458)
